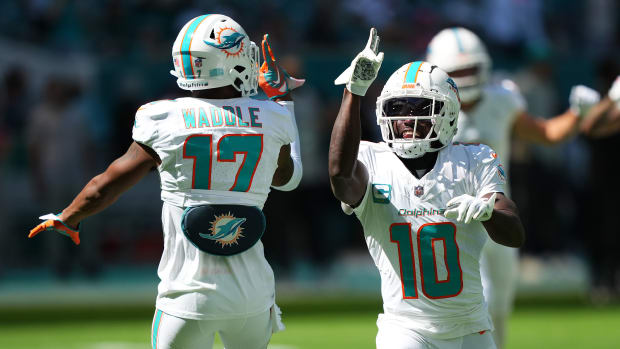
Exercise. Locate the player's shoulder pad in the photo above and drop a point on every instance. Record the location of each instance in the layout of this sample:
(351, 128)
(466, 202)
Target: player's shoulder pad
(475, 152)
(156, 110)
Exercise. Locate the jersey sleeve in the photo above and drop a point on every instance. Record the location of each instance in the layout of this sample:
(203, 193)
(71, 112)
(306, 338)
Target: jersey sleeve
(489, 175)
(286, 112)
(146, 126)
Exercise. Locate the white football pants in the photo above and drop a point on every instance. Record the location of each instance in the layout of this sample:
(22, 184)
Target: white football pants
(254, 332)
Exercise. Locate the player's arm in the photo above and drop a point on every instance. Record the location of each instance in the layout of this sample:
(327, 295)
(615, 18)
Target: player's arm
(347, 175)
(497, 213)
(504, 226)
(103, 190)
(277, 85)
(561, 127)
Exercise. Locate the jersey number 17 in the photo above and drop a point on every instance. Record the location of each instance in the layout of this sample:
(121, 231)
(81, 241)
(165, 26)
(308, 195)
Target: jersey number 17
(200, 149)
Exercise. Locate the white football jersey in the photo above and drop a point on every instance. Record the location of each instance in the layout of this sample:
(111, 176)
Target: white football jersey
(213, 152)
(428, 264)
(221, 151)
(492, 119)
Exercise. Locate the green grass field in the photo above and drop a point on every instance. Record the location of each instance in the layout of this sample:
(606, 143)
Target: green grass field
(309, 326)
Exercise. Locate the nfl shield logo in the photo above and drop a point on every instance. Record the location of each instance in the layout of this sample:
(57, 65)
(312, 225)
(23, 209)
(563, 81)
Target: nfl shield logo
(198, 62)
(418, 190)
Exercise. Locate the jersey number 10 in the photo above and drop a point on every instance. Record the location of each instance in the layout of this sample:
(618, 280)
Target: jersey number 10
(200, 149)
(428, 236)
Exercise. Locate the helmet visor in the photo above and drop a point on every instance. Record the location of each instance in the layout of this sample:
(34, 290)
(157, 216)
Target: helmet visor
(412, 106)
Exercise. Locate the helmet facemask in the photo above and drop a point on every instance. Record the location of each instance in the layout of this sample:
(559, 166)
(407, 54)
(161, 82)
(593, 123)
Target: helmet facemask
(412, 126)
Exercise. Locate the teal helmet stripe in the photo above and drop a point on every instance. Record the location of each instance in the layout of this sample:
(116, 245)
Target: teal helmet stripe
(458, 39)
(412, 72)
(186, 58)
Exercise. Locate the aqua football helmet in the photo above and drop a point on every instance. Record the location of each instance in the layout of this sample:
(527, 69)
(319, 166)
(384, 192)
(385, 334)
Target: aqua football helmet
(459, 49)
(214, 51)
(420, 92)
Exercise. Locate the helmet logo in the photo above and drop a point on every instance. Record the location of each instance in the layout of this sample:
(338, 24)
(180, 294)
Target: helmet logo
(229, 41)
(454, 88)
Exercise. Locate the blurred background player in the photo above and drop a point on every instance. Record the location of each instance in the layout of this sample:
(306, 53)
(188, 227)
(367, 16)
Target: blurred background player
(428, 259)
(491, 113)
(218, 153)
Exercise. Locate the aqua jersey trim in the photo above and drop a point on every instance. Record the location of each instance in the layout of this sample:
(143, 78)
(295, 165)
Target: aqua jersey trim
(186, 58)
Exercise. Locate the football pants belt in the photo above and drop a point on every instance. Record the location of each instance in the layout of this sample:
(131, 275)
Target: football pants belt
(223, 230)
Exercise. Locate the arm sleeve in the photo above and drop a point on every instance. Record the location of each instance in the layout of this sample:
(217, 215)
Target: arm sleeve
(489, 176)
(295, 152)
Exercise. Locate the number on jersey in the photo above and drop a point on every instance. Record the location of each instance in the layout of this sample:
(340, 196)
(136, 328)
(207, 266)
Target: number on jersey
(200, 149)
(429, 237)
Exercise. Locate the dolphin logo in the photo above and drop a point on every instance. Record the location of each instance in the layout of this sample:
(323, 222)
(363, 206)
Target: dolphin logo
(228, 42)
(225, 230)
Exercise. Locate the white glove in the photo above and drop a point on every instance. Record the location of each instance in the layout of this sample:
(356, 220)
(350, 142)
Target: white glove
(464, 208)
(614, 92)
(364, 68)
(582, 98)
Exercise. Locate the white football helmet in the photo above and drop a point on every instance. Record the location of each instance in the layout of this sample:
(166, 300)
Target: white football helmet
(418, 91)
(455, 49)
(214, 51)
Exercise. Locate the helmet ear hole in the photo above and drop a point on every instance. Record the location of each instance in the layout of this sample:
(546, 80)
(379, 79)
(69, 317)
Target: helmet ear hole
(212, 35)
(238, 83)
(239, 69)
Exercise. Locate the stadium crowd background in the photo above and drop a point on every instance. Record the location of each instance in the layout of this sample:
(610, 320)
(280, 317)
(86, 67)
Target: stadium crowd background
(73, 73)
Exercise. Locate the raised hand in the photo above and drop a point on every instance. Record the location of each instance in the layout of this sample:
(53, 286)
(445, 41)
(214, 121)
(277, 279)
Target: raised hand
(364, 67)
(272, 78)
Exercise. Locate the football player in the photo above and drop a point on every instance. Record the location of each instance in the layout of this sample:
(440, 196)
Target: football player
(490, 114)
(218, 153)
(424, 204)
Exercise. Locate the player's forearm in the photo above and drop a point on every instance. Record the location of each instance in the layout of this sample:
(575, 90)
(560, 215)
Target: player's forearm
(561, 127)
(98, 194)
(345, 138)
(505, 227)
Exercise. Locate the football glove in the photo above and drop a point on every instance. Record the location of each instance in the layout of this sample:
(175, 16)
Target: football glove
(464, 208)
(581, 99)
(272, 78)
(614, 92)
(53, 223)
(364, 67)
